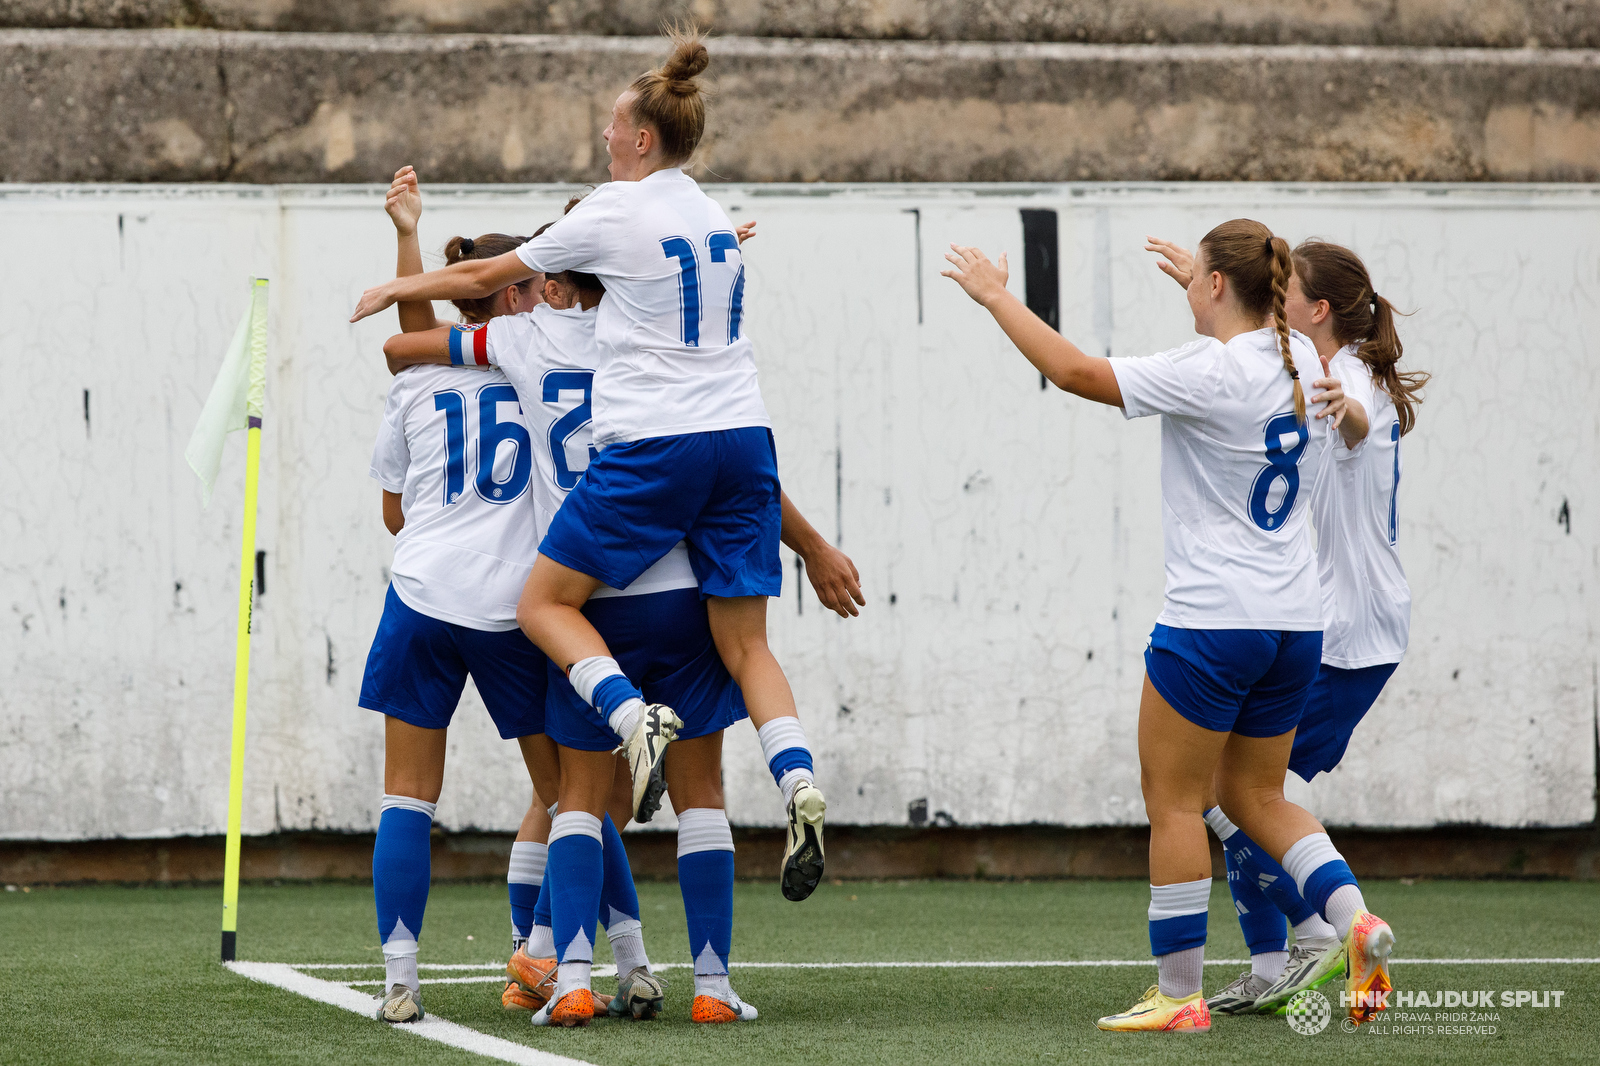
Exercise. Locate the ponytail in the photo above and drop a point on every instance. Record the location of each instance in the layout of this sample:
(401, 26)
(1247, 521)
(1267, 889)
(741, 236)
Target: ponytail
(1258, 266)
(1336, 274)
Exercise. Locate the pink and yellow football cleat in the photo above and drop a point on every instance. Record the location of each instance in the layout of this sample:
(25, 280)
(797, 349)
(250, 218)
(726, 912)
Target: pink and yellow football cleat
(1367, 948)
(1156, 1013)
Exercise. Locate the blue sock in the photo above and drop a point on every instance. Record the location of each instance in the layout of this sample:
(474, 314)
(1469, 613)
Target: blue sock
(1254, 863)
(524, 877)
(619, 900)
(1178, 916)
(401, 870)
(576, 870)
(783, 745)
(705, 877)
(541, 909)
(1262, 924)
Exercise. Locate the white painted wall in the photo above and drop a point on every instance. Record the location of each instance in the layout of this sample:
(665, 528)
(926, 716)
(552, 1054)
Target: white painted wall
(1008, 537)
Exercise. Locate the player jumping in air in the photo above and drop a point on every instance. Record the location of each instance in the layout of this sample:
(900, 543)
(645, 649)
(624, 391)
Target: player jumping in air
(1239, 640)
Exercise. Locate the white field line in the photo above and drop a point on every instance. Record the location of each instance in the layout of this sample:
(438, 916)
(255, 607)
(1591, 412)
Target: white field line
(430, 1028)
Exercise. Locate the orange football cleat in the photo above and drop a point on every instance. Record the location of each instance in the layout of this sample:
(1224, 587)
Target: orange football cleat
(1367, 949)
(534, 979)
(576, 1008)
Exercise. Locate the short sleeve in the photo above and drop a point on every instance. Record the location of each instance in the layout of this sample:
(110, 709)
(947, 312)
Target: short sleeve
(1183, 382)
(1356, 380)
(391, 457)
(573, 243)
(507, 337)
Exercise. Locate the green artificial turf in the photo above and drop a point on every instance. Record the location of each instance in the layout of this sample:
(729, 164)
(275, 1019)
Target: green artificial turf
(130, 975)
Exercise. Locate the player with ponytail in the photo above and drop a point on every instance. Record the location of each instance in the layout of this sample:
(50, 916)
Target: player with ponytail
(1238, 642)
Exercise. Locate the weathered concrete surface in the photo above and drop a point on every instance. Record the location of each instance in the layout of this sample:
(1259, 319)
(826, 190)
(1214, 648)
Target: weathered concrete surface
(198, 105)
(1494, 23)
(853, 852)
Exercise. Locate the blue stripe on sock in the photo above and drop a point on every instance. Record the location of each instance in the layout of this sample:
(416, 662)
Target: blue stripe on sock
(401, 869)
(523, 900)
(1325, 880)
(1273, 879)
(706, 880)
(541, 909)
(612, 693)
(1178, 934)
(1261, 922)
(574, 871)
(789, 759)
(617, 892)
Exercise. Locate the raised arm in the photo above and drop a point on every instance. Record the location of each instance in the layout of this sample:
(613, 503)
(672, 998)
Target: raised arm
(832, 573)
(469, 279)
(1057, 358)
(404, 207)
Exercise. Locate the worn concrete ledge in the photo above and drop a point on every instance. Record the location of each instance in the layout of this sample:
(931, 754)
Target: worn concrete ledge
(1492, 23)
(201, 105)
(854, 852)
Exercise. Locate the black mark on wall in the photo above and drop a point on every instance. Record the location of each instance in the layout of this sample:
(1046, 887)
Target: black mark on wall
(1041, 268)
(916, 229)
(86, 412)
(917, 812)
(333, 671)
(261, 573)
(799, 586)
(1563, 516)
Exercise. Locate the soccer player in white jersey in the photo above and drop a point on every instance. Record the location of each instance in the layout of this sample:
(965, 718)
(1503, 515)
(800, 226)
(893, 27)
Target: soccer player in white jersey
(688, 453)
(1238, 642)
(460, 553)
(658, 626)
(1366, 599)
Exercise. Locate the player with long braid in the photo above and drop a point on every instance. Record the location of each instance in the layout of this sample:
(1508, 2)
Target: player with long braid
(1239, 640)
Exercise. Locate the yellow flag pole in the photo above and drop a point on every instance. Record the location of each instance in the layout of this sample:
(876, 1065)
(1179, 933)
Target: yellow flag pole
(241, 654)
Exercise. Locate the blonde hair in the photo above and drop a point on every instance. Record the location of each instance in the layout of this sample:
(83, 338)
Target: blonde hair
(671, 99)
(1257, 266)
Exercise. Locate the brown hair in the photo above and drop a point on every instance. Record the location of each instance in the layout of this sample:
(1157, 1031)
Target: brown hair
(459, 249)
(1334, 273)
(1257, 266)
(670, 99)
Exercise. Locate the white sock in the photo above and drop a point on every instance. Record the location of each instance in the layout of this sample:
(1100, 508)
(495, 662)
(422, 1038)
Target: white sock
(1220, 825)
(627, 945)
(400, 958)
(1314, 932)
(1269, 965)
(571, 976)
(780, 735)
(713, 984)
(625, 719)
(528, 858)
(1342, 908)
(1178, 974)
(541, 943)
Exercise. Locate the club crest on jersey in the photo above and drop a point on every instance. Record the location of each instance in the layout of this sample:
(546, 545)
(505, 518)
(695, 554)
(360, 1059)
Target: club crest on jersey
(469, 344)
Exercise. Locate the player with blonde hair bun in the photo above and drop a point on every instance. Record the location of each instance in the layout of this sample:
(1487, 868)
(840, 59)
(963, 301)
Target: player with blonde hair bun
(1239, 639)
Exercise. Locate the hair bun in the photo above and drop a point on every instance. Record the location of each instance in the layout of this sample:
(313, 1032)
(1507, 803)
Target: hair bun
(467, 245)
(688, 59)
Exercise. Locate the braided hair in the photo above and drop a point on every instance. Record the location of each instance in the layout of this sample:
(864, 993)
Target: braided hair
(1257, 266)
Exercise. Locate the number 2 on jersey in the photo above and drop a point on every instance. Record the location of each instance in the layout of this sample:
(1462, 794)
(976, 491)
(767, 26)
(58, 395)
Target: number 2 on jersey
(691, 305)
(562, 429)
(1282, 465)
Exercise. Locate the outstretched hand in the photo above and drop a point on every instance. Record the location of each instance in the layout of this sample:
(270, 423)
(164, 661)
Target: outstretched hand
(404, 201)
(745, 231)
(836, 581)
(1176, 263)
(1332, 395)
(372, 301)
(982, 280)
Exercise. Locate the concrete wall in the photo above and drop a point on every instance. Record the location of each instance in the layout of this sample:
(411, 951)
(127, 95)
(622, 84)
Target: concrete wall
(1494, 23)
(202, 105)
(1008, 536)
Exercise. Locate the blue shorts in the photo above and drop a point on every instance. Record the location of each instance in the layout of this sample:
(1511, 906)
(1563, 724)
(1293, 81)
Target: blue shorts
(663, 643)
(1339, 700)
(1253, 682)
(418, 667)
(719, 491)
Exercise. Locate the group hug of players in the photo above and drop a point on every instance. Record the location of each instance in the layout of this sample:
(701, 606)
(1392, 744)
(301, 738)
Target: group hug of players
(583, 484)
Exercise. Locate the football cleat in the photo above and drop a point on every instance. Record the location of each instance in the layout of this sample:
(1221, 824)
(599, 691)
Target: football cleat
(402, 1004)
(573, 1009)
(1156, 1013)
(639, 995)
(710, 1010)
(1367, 948)
(1308, 967)
(1239, 997)
(657, 728)
(534, 978)
(803, 855)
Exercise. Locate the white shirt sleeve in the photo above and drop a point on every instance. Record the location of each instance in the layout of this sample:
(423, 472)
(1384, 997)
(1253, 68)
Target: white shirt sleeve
(1355, 377)
(509, 336)
(391, 456)
(573, 243)
(1182, 382)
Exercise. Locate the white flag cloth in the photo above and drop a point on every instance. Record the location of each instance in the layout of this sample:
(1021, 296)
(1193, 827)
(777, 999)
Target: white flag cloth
(236, 393)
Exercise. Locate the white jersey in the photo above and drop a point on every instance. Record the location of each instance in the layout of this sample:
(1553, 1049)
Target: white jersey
(454, 446)
(1237, 473)
(1366, 600)
(550, 357)
(671, 327)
